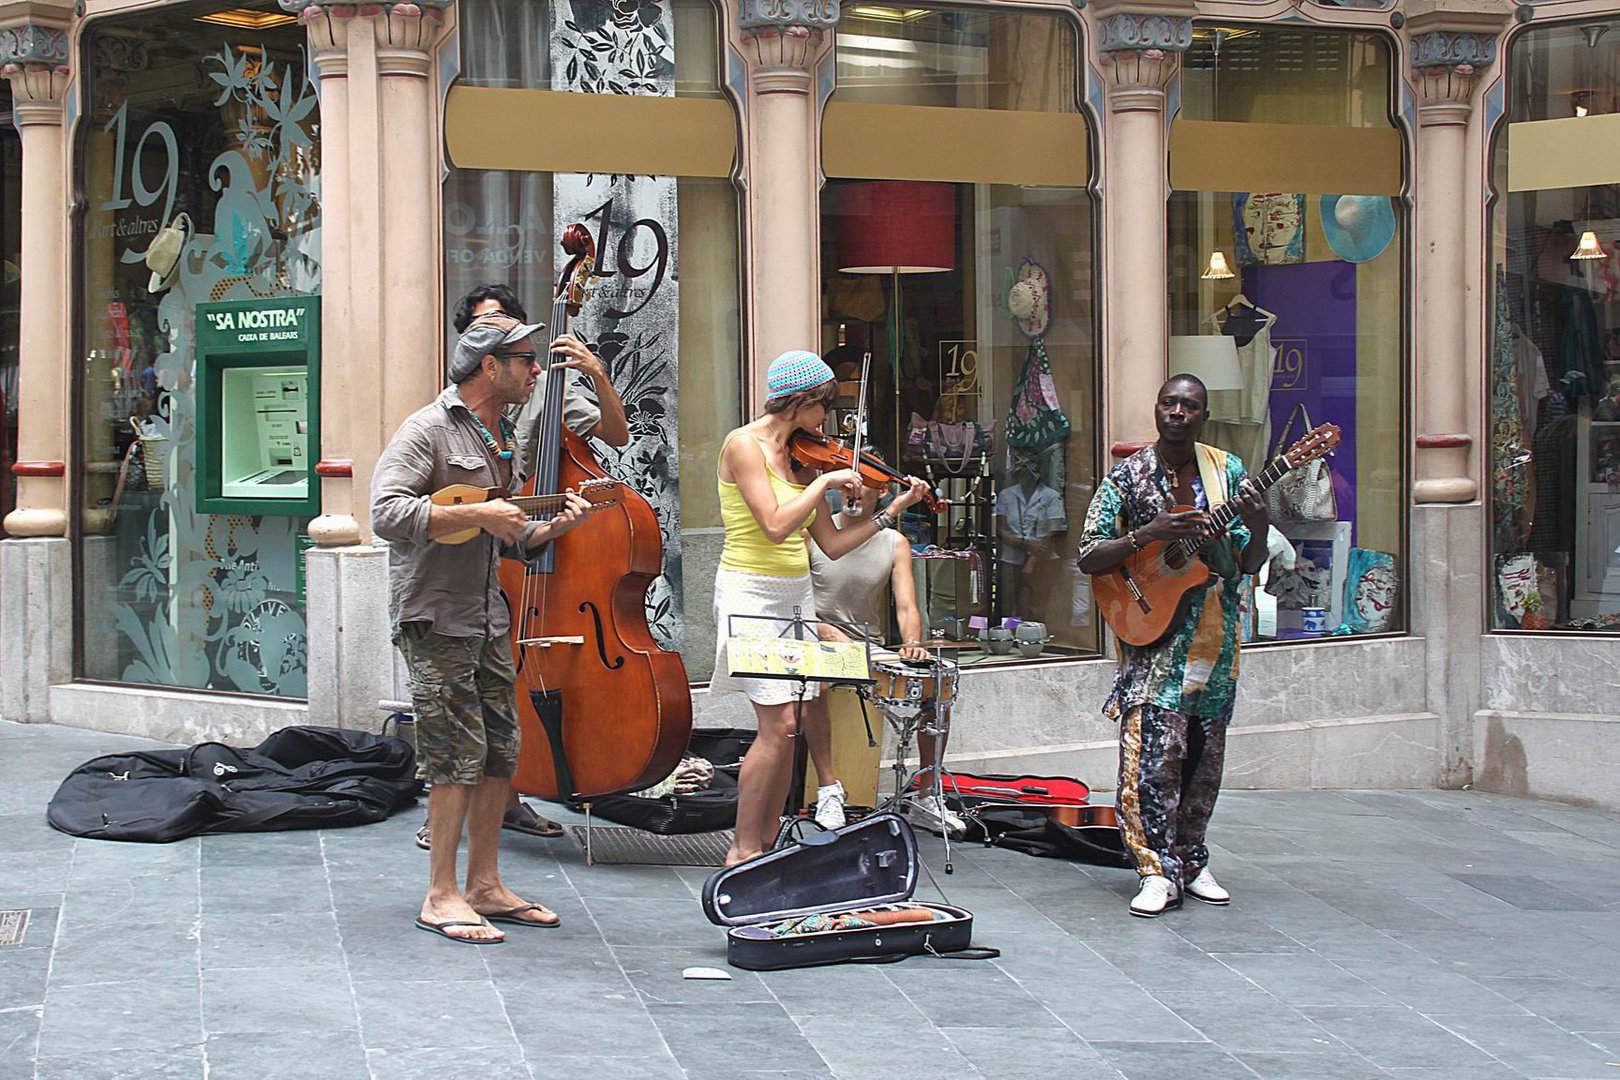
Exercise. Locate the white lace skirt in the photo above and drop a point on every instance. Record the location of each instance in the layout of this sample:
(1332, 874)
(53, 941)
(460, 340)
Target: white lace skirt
(738, 593)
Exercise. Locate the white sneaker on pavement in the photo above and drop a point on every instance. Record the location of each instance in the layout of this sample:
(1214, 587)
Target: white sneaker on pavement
(1156, 895)
(830, 805)
(1204, 887)
(930, 813)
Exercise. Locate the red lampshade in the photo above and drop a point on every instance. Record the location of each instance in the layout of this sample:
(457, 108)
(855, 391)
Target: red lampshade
(896, 226)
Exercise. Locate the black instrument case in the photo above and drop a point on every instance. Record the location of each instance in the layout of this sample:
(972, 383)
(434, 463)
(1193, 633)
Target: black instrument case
(861, 866)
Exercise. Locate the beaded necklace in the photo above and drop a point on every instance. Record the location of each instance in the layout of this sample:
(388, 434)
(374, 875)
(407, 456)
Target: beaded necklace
(507, 432)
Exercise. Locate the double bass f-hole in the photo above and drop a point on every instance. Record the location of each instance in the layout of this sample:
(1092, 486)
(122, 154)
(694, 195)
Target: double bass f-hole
(601, 639)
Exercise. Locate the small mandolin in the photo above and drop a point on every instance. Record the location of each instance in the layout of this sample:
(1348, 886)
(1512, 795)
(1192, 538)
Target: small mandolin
(601, 494)
(1141, 597)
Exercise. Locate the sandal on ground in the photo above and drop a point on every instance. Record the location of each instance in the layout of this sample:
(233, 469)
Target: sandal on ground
(514, 916)
(424, 837)
(440, 928)
(524, 818)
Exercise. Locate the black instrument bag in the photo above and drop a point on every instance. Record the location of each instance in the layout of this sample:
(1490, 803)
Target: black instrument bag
(864, 865)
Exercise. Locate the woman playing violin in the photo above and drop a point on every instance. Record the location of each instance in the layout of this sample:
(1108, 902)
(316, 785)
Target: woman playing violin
(767, 508)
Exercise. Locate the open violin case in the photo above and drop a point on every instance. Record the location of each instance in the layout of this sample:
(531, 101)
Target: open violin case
(792, 907)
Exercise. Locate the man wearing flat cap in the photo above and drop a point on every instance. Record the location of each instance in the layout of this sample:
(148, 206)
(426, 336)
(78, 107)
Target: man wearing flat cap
(450, 619)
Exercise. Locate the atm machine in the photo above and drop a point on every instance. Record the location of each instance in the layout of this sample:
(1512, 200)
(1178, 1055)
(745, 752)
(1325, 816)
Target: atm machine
(258, 406)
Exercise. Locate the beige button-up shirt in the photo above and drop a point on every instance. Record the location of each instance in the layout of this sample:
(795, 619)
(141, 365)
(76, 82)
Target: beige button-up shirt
(455, 588)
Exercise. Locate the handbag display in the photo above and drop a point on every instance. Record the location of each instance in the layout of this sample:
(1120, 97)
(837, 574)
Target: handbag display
(957, 446)
(1305, 493)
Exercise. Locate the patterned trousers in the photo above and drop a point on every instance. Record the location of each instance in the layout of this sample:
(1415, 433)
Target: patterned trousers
(1169, 776)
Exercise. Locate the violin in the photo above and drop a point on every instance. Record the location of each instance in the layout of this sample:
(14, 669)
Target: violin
(816, 451)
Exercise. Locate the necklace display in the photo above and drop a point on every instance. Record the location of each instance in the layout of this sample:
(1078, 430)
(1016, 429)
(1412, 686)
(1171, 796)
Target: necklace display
(507, 432)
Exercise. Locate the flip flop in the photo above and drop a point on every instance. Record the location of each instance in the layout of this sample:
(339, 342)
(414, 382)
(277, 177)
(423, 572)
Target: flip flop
(525, 819)
(440, 928)
(424, 837)
(514, 916)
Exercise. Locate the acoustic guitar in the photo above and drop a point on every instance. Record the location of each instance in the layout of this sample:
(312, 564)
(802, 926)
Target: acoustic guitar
(1141, 598)
(601, 494)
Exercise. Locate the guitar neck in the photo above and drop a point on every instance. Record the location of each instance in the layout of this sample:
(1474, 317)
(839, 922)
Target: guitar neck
(1222, 517)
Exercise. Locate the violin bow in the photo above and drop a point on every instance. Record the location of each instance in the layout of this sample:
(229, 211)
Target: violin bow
(853, 509)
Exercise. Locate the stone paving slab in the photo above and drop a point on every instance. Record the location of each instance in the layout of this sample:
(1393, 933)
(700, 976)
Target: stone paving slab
(1425, 935)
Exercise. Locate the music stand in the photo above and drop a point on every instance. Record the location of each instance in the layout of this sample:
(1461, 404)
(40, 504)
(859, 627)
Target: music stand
(794, 649)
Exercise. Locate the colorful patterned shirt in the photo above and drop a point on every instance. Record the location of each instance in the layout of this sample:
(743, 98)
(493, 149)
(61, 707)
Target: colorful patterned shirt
(1194, 670)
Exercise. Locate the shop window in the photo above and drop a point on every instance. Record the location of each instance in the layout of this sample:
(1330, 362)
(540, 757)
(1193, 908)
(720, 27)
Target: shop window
(958, 251)
(199, 165)
(524, 130)
(1286, 298)
(1553, 360)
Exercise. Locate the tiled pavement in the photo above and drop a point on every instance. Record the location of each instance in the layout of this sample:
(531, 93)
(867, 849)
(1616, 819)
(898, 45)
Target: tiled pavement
(1424, 935)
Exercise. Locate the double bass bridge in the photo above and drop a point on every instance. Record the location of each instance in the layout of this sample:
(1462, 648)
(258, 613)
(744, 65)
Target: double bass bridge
(548, 642)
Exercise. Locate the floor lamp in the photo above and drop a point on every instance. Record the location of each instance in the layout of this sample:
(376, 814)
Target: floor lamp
(896, 227)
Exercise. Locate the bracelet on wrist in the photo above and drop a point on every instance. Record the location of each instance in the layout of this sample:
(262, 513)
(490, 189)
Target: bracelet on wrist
(1131, 536)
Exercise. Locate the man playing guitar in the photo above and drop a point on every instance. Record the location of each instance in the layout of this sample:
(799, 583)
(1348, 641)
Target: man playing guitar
(1174, 697)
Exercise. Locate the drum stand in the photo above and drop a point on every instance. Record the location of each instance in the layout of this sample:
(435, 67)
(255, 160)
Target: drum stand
(932, 718)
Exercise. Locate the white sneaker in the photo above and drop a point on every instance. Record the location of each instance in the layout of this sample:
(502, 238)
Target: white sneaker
(830, 806)
(930, 813)
(1156, 896)
(1204, 887)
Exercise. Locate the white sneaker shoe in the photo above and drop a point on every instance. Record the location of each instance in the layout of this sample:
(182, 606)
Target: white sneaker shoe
(1204, 887)
(1157, 895)
(930, 813)
(830, 806)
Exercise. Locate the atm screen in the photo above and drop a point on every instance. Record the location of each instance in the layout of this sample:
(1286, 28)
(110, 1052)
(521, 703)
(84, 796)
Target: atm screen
(264, 427)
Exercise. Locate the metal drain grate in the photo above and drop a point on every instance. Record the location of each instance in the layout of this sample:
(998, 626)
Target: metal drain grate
(615, 845)
(13, 925)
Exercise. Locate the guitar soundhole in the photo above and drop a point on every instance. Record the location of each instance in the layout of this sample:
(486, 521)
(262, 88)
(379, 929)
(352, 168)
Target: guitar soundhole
(1175, 560)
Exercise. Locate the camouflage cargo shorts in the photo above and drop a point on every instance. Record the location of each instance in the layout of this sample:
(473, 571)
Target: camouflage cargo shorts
(466, 710)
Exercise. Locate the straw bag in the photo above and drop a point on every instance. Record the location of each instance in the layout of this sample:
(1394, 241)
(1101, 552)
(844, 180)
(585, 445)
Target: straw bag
(153, 452)
(1305, 493)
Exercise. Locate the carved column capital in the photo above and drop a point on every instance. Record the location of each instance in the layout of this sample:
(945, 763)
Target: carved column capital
(1126, 31)
(1446, 64)
(1143, 53)
(784, 36)
(35, 58)
(813, 15)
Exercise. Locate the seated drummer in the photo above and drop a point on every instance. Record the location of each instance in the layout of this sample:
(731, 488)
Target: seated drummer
(850, 591)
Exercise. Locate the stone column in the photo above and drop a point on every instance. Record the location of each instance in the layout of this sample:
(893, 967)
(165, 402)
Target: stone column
(34, 59)
(337, 526)
(381, 321)
(1141, 53)
(36, 580)
(1445, 65)
(783, 42)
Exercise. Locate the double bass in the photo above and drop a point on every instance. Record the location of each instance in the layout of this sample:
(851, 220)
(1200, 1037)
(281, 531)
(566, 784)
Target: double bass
(602, 706)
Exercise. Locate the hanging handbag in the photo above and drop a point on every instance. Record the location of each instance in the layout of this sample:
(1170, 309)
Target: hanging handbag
(916, 447)
(1305, 493)
(957, 446)
(1034, 418)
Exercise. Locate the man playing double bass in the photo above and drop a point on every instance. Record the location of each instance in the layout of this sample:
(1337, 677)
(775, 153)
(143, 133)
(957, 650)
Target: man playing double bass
(451, 621)
(1174, 698)
(602, 418)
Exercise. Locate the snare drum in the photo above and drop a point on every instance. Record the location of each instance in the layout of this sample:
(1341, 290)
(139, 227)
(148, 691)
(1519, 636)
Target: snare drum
(911, 684)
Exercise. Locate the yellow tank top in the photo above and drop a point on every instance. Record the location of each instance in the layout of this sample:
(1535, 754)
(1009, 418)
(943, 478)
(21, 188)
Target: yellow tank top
(747, 549)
